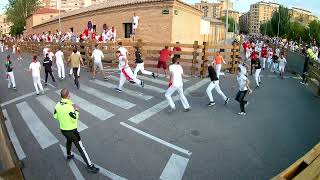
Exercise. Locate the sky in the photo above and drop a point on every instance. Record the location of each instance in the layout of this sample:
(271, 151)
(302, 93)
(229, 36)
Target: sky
(244, 5)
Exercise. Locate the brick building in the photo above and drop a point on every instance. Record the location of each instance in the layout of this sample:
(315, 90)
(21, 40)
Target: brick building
(160, 20)
(4, 25)
(42, 15)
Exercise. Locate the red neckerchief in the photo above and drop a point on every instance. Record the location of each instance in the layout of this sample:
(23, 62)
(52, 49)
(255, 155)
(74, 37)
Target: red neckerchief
(34, 61)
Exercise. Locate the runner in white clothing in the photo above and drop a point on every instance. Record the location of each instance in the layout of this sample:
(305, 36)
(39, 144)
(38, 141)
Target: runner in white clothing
(140, 64)
(135, 22)
(282, 65)
(9, 70)
(35, 68)
(176, 84)
(126, 72)
(97, 56)
(123, 50)
(59, 57)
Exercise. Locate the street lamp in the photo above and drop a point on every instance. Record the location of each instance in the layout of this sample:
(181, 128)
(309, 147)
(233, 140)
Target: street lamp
(59, 16)
(227, 22)
(278, 22)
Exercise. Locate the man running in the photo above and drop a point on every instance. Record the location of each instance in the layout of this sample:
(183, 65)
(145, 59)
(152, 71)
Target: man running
(257, 73)
(140, 64)
(68, 114)
(163, 59)
(218, 59)
(10, 76)
(282, 65)
(176, 84)
(47, 63)
(126, 72)
(71, 69)
(244, 87)
(75, 60)
(264, 54)
(97, 56)
(214, 84)
(123, 50)
(35, 68)
(59, 56)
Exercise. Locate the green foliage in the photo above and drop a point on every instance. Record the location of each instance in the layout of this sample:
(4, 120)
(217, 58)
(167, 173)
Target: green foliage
(17, 11)
(314, 30)
(285, 17)
(231, 22)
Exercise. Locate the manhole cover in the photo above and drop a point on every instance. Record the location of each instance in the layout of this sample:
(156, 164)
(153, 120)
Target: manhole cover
(195, 132)
(197, 94)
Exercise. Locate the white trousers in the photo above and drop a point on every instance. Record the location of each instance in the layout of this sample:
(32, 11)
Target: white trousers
(183, 98)
(263, 62)
(275, 67)
(126, 74)
(140, 67)
(257, 76)
(218, 69)
(71, 71)
(36, 83)
(269, 62)
(215, 85)
(1, 49)
(11, 80)
(61, 72)
(281, 68)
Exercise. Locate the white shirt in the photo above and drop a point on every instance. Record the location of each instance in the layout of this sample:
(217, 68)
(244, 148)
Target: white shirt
(123, 51)
(243, 69)
(278, 52)
(45, 51)
(59, 57)
(122, 62)
(176, 71)
(135, 20)
(50, 55)
(242, 80)
(35, 69)
(97, 55)
(282, 62)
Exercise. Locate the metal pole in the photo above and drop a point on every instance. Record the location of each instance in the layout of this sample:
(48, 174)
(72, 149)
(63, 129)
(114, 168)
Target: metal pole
(278, 23)
(59, 16)
(227, 22)
(235, 22)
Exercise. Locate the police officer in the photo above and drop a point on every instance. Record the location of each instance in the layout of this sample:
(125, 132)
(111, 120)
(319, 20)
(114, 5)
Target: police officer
(67, 115)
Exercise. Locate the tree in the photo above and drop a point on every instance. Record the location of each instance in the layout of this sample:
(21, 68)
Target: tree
(297, 32)
(266, 29)
(231, 22)
(17, 11)
(314, 30)
(285, 17)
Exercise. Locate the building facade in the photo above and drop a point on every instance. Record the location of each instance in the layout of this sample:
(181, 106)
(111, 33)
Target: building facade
(69, 5)
(162, 21)
(4, 25)
(301, 15)
(218, 9)
(244, 22)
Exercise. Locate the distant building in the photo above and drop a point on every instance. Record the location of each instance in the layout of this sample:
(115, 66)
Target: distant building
(301, 15)
(69, 5)
(4, 25)
(217, 10)
(42, 15)
(244, 22)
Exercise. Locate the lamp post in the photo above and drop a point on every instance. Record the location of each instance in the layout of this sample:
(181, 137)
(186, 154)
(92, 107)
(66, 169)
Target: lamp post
(278, 22)
(227, 22)
(59, 16)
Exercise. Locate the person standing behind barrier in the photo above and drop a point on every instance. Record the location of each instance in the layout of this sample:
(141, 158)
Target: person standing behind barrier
(59, 57)
(163, 59)
(176, 84)
(214, 84)
(140, 64)
(14, 49)
(35, 68)
(97, 56)
(68, 114)
(218, 59)
(75, 60)
(135, 23)
(282, 65)
(244, 87)
(10, 75)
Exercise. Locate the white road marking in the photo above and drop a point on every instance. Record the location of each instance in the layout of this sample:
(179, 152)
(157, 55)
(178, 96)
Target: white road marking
(20, 97)
(108, 98)
(48, 83)
(50, 105)
(162, 105)
(103, 171)
(13, 136)
(146, 86)
(87, 106)
(156, 139)
(127, 91)
(184, 80)
(42, 134)
(77, 174)
(175, 168)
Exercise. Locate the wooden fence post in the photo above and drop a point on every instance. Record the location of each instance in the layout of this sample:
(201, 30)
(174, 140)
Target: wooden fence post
(194, 58)
(233, 58)
(204, 60)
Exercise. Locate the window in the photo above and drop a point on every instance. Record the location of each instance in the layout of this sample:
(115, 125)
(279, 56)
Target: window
(94, 28)
(71, 29)
(127, 29)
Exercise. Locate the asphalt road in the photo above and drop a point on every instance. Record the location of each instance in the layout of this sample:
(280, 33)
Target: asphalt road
(136, 138)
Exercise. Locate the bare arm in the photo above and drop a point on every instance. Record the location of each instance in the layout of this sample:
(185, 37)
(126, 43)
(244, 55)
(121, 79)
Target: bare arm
(248, 86)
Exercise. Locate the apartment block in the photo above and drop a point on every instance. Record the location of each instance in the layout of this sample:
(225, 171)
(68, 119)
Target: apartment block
(301, 15)
(69, 5)
(244, 22)
(4, 25)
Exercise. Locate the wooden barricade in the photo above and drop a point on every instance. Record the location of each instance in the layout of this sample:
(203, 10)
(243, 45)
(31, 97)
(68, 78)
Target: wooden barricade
(8, 156)
(306, 168)
(313, 76)
(193, 57)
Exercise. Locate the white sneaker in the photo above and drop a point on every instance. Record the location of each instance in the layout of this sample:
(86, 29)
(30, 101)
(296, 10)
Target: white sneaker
(242, 113)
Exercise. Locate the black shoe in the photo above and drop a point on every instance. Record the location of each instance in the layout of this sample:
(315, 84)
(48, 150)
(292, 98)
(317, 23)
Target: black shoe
(132, 82)
(153, 75)
(186, 110)
(142, 84)
(92, 169)
(45, 84)
(105, 78)
(211, 103)
(70, 157)
(117, 89)
(226, 101)
(14, 88)
(38, 94)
